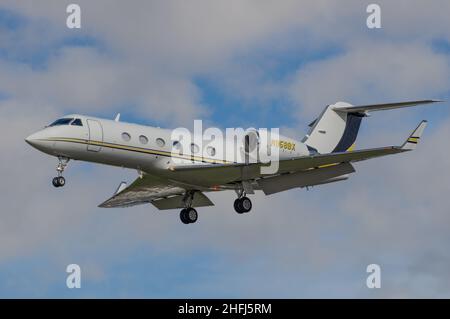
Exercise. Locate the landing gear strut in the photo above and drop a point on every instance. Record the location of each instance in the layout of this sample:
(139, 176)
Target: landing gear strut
(242, 204)
(60, 181)
(188, 215)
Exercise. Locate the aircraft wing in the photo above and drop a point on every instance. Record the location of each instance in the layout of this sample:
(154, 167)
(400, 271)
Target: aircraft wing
(165, 195)
(312, 161)
(150, 189)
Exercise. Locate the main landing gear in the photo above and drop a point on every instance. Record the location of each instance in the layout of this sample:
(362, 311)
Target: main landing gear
(188, 215)
(242, 204)
(60, 181)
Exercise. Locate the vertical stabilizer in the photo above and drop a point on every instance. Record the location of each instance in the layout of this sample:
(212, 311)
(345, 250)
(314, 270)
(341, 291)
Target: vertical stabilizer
(334, 131)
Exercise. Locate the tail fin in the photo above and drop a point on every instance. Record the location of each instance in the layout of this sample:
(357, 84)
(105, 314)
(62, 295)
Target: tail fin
(336, 129)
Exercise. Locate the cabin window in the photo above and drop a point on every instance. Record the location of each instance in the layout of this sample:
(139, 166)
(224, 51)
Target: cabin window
(176, 145)
(77, 122)
(211, 151)
(194, 148)
(126, 137)
(63, 121)
(143, 139)
(160, 142)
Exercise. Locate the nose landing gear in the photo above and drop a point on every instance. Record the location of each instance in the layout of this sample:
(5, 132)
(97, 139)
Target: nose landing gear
(60, 181)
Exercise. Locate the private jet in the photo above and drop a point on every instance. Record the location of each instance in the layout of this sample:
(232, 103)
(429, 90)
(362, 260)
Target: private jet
(171, 180)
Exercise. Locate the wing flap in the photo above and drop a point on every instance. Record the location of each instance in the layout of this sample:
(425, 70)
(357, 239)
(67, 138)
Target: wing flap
(284, 182)
(316, 161)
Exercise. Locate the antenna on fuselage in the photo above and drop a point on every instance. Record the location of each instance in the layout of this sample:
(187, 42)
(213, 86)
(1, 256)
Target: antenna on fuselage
(117, 118)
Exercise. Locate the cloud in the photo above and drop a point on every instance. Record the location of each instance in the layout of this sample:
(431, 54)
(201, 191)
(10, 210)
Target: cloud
(86, 80)
(368, 71)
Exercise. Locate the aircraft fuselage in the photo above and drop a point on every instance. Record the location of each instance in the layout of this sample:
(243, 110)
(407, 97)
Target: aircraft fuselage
(147, 149)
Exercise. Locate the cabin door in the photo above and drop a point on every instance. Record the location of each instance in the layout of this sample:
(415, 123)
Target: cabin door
(95, 136)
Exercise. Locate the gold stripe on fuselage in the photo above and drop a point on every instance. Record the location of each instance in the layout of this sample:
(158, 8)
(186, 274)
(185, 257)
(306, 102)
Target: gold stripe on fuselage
(138, 149)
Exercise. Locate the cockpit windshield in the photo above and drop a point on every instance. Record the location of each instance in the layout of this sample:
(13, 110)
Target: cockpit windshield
(67, 121)
(77, 122)
(64, 121)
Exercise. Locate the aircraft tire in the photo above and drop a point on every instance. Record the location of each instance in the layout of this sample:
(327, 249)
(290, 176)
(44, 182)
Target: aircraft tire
(183, 216)
(237, 206)
(191, 215)
(245, 204)
(55, 182)
(242, 205)
(61, 181)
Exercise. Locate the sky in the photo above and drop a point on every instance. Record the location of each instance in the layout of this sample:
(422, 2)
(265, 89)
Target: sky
(232, 64)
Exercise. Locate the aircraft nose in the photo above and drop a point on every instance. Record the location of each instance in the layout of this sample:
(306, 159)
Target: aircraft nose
(31, 139)
(38, 141)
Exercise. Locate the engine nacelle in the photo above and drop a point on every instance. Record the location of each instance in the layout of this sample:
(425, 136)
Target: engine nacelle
(251, 142)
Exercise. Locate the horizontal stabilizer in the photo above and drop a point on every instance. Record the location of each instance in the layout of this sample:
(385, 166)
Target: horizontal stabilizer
(381, 107)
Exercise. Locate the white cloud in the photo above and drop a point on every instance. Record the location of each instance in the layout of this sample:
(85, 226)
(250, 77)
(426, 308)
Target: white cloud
(372, 73)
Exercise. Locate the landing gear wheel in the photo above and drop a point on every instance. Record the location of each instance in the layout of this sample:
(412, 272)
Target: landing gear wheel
(183, 216)
(242, 205)
(237, 206)
(61, 181)
(246, 204)
(55, 182)
(188, 215)
(192, 215)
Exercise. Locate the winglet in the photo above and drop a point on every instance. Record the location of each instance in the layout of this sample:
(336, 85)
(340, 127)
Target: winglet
(120, 188)
(414, 138)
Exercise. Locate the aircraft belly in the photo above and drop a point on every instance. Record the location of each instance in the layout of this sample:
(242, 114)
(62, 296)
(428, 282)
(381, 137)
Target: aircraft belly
(214, 178)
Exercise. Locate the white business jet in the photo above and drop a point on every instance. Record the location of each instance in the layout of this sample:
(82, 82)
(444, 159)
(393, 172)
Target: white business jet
(170, 180)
